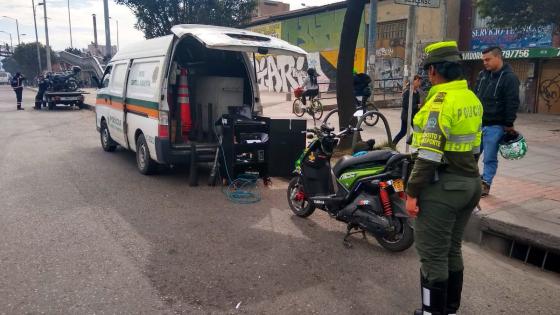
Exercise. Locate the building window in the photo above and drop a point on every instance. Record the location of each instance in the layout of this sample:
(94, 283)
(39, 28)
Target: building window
(391, 30)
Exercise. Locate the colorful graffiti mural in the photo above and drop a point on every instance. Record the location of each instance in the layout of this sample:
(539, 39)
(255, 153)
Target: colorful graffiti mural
(319, 35)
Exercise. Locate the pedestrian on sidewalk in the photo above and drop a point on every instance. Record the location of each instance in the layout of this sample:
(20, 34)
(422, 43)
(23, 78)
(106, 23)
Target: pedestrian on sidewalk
(310, 85)
(416, 82)
(497, 87)
(444, 186)
(17, 85)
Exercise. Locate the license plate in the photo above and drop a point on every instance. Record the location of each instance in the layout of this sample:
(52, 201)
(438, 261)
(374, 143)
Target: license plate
(398, 185)
(68, 98)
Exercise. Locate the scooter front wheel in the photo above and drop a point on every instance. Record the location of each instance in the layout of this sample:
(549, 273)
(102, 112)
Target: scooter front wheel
(297, 200)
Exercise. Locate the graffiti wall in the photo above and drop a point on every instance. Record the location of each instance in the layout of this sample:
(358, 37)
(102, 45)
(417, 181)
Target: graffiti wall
(319, 35)
(549, 89)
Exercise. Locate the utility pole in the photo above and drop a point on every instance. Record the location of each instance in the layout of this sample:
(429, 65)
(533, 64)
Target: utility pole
(70, 24)
(94, 30)
(410, 68)
(36, 36)
(117, 35)
(372, 37)
(108, 50)
(17, 27)
(48, 48)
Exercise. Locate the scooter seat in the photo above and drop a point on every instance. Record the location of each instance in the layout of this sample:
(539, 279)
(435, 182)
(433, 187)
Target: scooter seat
(373, 157)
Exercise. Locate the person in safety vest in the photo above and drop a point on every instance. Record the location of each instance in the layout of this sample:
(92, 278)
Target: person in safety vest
(444, 186)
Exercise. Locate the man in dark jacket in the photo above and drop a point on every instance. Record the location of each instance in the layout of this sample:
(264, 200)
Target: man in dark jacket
(497, 87)
(17, 85)
(42, 84)
(416, 83)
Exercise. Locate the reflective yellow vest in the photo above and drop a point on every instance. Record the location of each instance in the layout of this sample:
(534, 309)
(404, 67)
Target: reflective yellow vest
(450, 120)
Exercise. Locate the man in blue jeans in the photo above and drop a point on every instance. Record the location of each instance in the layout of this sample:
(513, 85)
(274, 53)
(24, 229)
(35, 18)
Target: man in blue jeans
(497, 87)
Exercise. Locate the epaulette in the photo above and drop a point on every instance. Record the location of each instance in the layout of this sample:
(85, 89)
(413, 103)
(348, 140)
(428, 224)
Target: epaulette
(440, 97)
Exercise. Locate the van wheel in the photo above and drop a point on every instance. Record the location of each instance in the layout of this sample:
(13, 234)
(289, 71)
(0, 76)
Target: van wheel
(144, 162)
(107, 142)
(51, 105)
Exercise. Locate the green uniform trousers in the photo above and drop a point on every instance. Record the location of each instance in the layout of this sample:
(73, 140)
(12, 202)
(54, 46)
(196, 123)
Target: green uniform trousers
(445, 208)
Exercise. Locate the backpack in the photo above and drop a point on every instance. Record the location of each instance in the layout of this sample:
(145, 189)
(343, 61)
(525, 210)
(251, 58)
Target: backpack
(14, 82)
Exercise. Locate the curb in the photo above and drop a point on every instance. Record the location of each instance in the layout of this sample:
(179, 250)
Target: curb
(482, 229)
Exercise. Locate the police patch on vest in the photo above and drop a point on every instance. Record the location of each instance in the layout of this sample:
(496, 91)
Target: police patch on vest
(432, 123)
(440, 97)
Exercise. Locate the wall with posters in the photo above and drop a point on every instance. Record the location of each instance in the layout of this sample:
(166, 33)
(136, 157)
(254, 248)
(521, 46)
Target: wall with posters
(528, 37)
(319, 35)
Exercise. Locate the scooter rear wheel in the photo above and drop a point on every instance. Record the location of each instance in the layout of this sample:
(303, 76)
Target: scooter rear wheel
(399, 241)
(302, 208)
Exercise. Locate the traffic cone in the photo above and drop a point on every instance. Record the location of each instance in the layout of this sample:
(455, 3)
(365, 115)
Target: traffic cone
(184, 104)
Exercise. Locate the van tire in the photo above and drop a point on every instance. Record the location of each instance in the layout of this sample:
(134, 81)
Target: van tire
(107, 142)
(145, 164)
(50, 105)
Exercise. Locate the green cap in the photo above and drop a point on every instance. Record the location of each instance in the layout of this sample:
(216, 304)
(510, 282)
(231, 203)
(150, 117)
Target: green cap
(441, 52)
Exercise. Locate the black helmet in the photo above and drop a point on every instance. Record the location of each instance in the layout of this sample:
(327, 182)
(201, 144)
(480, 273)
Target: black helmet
(311, 71)
(76, 69)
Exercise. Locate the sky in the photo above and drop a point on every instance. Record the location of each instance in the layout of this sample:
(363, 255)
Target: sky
(82, 25)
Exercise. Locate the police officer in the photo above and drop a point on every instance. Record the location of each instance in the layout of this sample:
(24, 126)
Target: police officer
(444, 186)
(43, 85)
(17, 85)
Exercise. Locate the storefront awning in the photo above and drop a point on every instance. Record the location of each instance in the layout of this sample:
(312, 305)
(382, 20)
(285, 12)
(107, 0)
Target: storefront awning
(523, 53)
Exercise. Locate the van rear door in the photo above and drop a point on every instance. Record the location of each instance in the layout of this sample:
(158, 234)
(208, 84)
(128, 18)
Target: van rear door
(224, 38)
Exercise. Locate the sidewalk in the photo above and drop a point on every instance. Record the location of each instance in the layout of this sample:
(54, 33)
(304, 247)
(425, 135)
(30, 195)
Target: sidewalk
(524, 204)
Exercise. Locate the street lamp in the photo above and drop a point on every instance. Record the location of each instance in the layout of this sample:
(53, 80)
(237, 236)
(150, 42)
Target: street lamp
(117, 21)
(11, 42)
(49, 66)
(36, 36)
(17, 26)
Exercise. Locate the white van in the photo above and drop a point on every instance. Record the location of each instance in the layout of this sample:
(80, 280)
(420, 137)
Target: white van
(143, 104)
(5, 77)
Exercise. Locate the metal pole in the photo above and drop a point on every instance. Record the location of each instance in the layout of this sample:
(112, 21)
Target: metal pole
(48, 48)
(411, 63)
(94, 30)
(443, 19)
(117, 35)
(372, 36)
(36, 36)
(17, 29)
(70, 24)
(108, 50)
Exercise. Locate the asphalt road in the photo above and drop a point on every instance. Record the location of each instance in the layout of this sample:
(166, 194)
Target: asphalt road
(82, 231)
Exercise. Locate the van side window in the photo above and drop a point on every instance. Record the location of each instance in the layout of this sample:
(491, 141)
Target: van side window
(106, 76)
(119, 74)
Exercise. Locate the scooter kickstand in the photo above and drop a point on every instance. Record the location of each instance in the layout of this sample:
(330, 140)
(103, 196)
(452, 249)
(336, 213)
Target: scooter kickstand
(349, 232)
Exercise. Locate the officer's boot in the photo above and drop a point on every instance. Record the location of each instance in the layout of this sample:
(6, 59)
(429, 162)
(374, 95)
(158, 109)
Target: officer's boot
(454, 289)
(433, 297)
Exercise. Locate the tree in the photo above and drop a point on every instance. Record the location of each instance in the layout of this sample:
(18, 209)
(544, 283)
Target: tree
(520, 13)
(74, 51)
(155, 18)
(344, 79)
(25, 59)
(10, 65)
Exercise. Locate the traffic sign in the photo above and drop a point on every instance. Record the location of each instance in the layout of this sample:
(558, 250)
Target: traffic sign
(420, 3)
